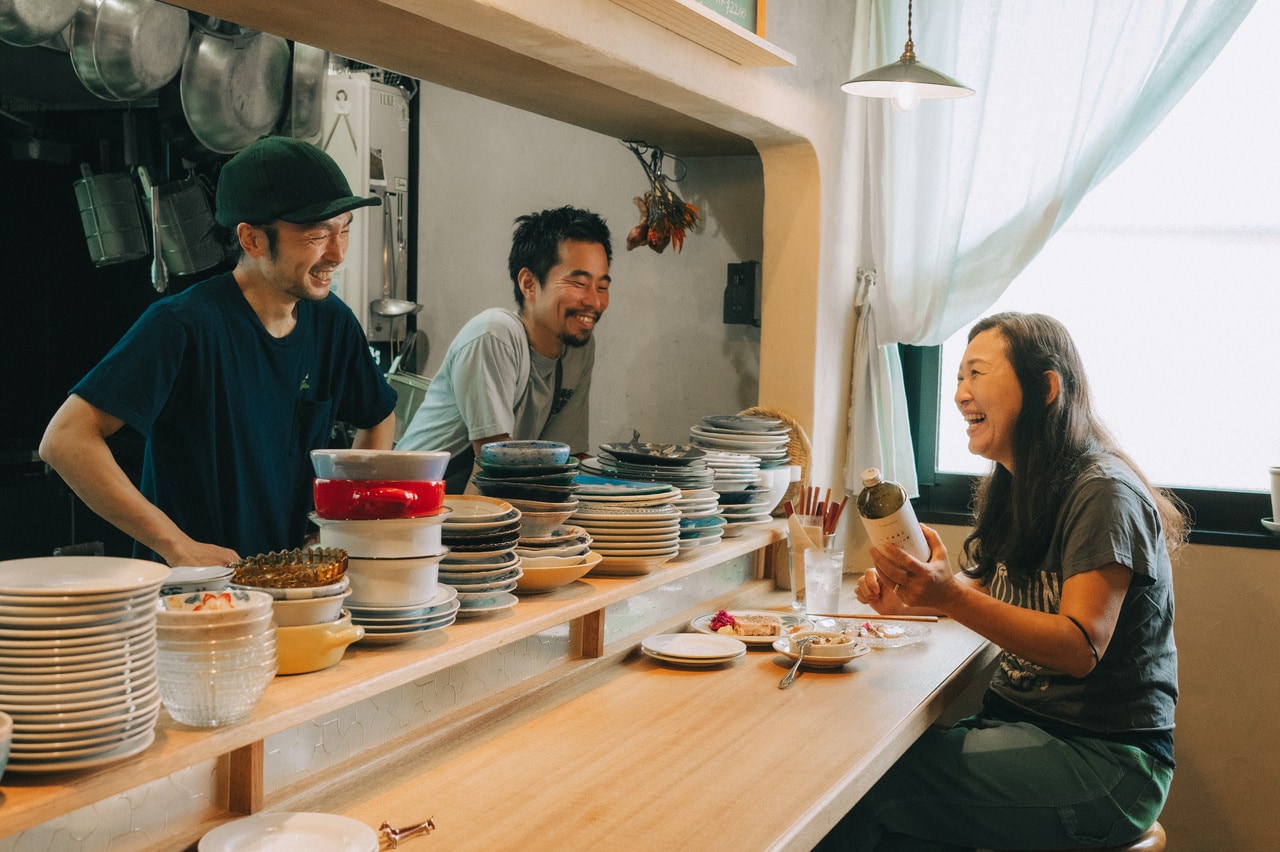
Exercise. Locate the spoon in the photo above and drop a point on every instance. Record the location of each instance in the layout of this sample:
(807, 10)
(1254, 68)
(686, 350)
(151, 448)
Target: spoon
(802, 644)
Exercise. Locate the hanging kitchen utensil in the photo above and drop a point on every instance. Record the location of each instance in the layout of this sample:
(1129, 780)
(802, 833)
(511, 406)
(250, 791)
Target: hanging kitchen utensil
(175, 129)
(138, 46)
(111, 217)
(84, 28)
(26, 23)
(233, 87)
(159, 274)
(189, 242)
(306, 91)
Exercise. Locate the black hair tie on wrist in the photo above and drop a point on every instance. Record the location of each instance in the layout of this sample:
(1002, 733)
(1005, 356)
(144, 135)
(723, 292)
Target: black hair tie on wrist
(1085, 633)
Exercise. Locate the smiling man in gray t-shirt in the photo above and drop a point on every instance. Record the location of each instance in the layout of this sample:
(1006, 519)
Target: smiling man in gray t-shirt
(526, 374)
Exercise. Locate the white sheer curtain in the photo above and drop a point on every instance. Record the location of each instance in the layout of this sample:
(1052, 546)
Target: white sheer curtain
(963, 194)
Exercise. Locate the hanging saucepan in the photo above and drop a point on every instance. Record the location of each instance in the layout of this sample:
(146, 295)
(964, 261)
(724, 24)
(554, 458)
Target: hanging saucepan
(306, 92)
(138, 46)
(174, 127)
(30, 22)
(233, 88)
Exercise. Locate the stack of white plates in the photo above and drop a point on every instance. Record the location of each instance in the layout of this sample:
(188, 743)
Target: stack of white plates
(700, 520)
(733, 471)
(482, 565)
(763, 437)
(693, 649)
(630, 539)
(386, 625)
(78, 659)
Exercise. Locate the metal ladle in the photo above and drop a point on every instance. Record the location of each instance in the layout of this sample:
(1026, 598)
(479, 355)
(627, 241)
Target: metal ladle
(386, 306)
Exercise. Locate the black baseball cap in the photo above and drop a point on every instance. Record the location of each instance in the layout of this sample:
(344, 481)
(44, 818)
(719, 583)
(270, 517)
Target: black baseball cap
(279, 177)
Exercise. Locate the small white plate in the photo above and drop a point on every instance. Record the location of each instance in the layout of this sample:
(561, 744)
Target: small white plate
(783, 646)
(1271, 526)
(629, 566)
(313, 832)
(693, 647)
(503, 601)
(79, 575)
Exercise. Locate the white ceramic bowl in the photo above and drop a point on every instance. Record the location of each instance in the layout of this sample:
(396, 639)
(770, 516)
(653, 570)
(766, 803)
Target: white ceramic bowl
(524, 453)
(534, 524)
(393, 582)
(198, 631)
(206, 608)
(185, 579)
(292, 613)
(379, 464)
(384, 538)
(829, 644)
(312, 647)
(300, 593)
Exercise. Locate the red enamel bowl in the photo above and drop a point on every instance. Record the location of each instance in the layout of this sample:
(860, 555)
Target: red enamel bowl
(377, 499)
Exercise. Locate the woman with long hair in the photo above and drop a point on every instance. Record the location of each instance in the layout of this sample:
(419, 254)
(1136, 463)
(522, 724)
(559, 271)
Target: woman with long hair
(1068, 571)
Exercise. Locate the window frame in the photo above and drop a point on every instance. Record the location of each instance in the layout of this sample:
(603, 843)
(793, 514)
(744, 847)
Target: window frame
(1227, 518)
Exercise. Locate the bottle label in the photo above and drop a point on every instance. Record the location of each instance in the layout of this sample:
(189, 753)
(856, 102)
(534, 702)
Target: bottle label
(901, 529)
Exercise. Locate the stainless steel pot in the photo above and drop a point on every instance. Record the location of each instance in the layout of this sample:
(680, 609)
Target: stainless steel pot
(306, 92)
(233, 88)
(127, 49)
(112, 217)
(30, 22)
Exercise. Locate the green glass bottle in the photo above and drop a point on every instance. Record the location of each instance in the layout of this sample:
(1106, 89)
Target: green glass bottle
(888, 517)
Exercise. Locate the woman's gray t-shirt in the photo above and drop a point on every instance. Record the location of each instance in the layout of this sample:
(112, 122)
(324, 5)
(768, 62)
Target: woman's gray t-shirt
(1108, 517)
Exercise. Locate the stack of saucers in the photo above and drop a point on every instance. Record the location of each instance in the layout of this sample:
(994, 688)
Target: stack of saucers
(481, 565)
(634, 526)
(744, 509)
(78, 659)
(681, 465)
(733, 471)
(765, 438)
(549, 562)
(217, 654)
(387, 624)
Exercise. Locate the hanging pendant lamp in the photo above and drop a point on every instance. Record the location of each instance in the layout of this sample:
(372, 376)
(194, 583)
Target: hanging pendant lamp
(906, 82)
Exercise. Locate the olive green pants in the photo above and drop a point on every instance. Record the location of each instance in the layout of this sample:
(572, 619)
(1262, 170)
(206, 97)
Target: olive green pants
(1006, 785)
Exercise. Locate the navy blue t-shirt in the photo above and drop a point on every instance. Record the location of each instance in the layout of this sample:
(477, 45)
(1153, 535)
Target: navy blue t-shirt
(230, 414)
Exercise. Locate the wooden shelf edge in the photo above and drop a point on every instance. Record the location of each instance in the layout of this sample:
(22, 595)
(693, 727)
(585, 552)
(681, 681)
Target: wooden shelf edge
(697, 23)
(29, 800)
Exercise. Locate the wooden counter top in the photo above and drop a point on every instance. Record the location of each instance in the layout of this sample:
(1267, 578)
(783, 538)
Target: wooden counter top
(642, 755)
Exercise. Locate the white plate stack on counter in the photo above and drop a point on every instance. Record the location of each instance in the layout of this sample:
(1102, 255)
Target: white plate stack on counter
(78, 653)
(763, 437)
(482, 565)
(634, 526)
(385, 509)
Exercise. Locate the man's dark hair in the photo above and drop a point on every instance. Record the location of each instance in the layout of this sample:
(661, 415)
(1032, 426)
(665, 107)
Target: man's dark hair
(535, 245)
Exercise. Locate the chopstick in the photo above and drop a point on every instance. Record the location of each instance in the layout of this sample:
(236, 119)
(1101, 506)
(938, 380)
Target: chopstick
(873, 616)
(828, 511)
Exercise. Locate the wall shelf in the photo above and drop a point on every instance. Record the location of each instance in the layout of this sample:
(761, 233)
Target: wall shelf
(701, 25)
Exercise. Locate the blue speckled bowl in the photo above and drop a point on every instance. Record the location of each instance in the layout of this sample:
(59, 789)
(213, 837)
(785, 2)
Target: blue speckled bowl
(524, 453)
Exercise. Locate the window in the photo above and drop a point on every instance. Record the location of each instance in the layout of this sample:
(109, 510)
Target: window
(1166, 276)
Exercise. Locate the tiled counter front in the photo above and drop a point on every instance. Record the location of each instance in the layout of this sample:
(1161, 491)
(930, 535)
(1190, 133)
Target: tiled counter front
(166, 797)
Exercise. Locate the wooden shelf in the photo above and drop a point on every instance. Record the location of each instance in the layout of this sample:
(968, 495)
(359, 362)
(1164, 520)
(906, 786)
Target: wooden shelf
(701, 25)
(364, 671)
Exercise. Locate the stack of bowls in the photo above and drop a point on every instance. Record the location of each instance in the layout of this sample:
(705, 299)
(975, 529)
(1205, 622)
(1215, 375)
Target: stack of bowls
(534, 476)
(308, 588)
(482, 565)
(217, 655)
(78, 659)
(385, 509)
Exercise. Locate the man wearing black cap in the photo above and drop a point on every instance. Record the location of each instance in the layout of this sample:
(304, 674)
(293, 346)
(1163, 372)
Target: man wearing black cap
(233, 381)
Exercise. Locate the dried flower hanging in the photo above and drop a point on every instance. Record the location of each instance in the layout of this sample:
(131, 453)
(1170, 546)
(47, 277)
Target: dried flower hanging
(664, 216)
